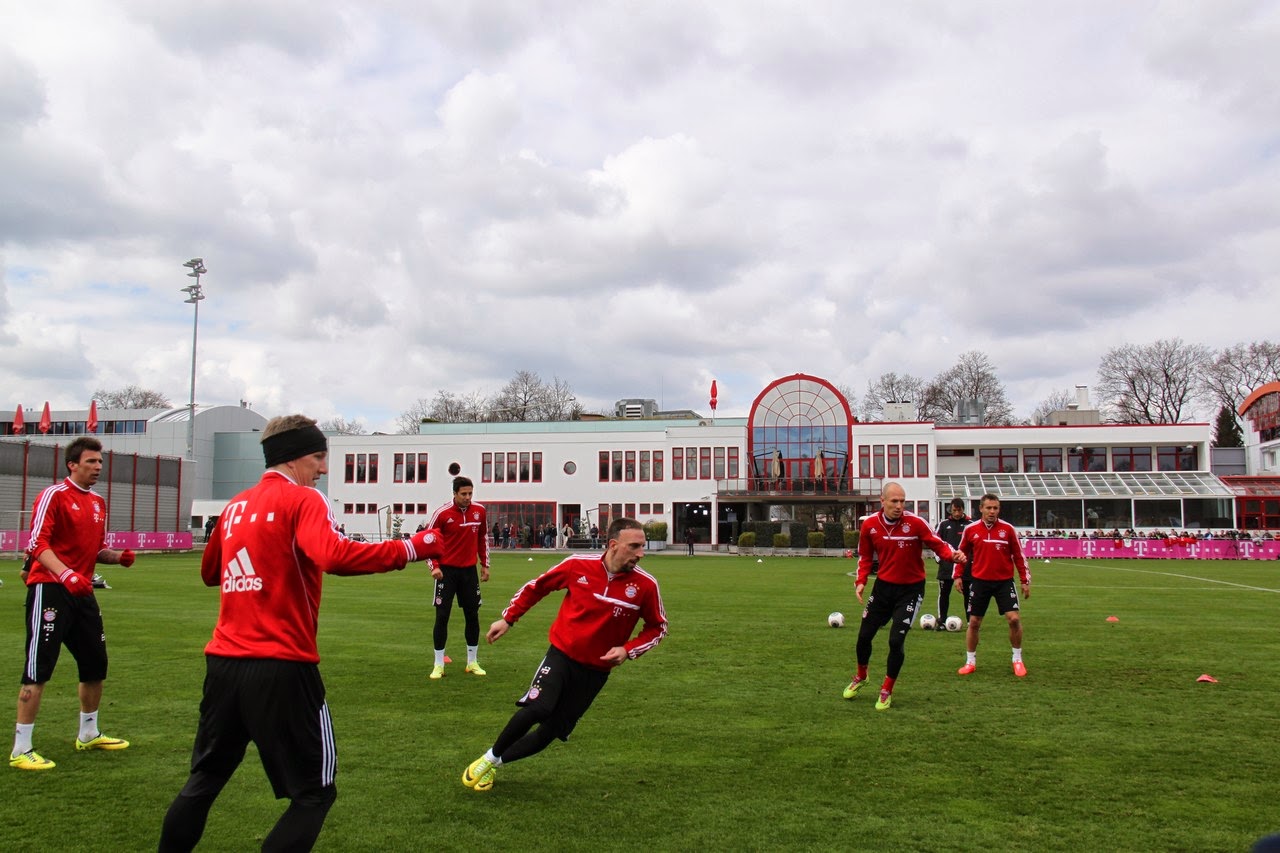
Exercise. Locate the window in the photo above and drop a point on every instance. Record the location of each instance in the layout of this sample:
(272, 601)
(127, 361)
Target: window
(644, 466)
(704, 463)
(499, 467)
(1042, 460)
(1131, 459)
(644, 509)
(373, 467)
(409, 468)
(604, 466)
(486, 467)
(629, 465)
(537, 466)
(922, 460)
(677, 463)
(1176, 458)
(909, 462)
(1086, 459)
(570, 468)
(733, 464)
(717, 465)
(616, 471)
(691, 463)
(361, 468)
(524, 467)
(864, 460)
(397, 468)
(512, 473)
(894, 470)
(657, 467)
(657, 509)
(350, 468)
(877, 466)
(998, 460)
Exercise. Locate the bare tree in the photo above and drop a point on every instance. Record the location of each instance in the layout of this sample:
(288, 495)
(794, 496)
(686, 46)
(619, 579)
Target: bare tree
(1237, 371)
(971, 379)
(556, 402)
(452, 408)
(132, 397)
(1156, 383)
(408, 421)
(342, 426)
(526, 397)
(1055, 402)
(890, 388)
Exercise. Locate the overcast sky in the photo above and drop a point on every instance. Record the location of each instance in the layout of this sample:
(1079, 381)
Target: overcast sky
(394, 198)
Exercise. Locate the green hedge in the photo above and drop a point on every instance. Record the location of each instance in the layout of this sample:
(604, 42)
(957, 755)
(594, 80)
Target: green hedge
(816, 540)
(747, 540)
(851, 539)
(781, 540)
(833, 535)
(655, 531)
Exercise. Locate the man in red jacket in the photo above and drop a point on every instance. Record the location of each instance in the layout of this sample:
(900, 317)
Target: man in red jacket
(994, 551)
(68, 535)
(605, 597)
(273, 544)
(897, 538)
(463, 524)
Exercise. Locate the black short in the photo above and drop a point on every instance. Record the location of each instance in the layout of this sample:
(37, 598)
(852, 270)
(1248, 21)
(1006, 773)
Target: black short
(56, 617)
(893, 601)
(464, 582)
(981, 593)
(277, 704)
(567, 687)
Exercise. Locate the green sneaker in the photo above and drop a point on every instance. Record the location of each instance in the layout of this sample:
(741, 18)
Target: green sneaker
(479, 774)
(31, 760)
(853, 688)
(474, 668)
(101, 741)
(437, 672)
(885, 700)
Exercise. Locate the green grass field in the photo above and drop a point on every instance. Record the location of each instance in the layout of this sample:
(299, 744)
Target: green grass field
(731, 735)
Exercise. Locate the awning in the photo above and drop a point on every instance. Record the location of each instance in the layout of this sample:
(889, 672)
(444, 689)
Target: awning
(1254, 487)
(1111, 484)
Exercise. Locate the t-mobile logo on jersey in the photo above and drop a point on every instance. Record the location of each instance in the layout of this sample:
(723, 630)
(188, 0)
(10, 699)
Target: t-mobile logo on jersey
(231, 515)
(240, 576)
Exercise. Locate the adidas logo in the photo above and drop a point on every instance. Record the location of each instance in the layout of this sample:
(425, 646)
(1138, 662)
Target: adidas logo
(240, 576)
(583, 579)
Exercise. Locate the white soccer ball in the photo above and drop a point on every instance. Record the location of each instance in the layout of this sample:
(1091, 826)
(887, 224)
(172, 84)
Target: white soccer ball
(929, 622)
(836, 620)
(954, 623)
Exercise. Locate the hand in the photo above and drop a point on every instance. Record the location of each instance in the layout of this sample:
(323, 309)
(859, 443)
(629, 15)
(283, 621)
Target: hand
(959, 557)
(1026, 590)
(427, 544)
(615, 655)
(496, 630)
(858, 590)
(127, 557)
(959, 585)
(75, 584)
(484, 574)
(437, 572)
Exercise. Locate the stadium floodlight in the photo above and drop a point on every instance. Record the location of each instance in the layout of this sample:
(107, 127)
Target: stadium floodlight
(195, 295)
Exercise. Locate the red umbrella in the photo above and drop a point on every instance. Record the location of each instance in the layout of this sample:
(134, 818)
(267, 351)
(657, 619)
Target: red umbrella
(18, 425)
(713, 395)
(92, 423)
(46, 420)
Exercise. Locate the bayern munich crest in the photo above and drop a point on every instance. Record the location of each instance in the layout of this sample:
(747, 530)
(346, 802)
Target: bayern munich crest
(49, 615)
(632, 590)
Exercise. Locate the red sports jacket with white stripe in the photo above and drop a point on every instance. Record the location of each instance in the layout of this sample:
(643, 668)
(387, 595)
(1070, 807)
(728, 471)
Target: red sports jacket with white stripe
(71, 522)
(599, 611)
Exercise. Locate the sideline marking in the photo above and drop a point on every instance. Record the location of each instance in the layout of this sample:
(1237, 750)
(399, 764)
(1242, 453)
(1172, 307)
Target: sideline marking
(1164, 574)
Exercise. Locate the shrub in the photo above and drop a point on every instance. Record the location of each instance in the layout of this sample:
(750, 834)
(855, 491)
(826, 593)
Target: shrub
(816, 539)
(797, 532)
(851, 539)
(655, 531)
(832, 534)
(781, 540)
(747, 540)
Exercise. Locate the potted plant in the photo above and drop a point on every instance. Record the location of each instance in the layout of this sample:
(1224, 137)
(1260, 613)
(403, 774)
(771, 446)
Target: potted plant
(655, 535)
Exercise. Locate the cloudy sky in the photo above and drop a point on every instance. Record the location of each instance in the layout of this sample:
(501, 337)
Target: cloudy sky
(400, 196)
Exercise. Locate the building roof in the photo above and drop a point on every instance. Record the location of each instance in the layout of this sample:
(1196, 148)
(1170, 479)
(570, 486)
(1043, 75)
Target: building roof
(1173, 484)
(1254, 487)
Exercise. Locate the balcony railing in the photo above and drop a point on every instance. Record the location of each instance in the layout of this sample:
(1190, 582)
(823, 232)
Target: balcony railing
(807, 487)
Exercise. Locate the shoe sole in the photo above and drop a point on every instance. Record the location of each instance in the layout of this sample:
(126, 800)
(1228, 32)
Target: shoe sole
(884, 706)
(48, 765)
(81, 746)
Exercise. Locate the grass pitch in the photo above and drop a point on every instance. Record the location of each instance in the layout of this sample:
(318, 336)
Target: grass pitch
(731, 735)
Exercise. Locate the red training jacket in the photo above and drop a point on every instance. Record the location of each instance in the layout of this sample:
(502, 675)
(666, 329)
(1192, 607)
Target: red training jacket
(899, 546)
(72, 522)
(465, 535)
(994, 551)
(598, 611)
(272, 546)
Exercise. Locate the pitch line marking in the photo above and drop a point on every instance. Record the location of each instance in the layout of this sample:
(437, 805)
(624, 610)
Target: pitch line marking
(1174, 575)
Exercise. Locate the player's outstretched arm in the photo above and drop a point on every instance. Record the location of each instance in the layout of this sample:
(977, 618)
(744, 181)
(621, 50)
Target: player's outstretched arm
(496, 630)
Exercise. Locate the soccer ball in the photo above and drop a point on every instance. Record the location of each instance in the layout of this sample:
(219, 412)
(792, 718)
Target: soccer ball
(836, 620)
(954, 623)
(929, 622)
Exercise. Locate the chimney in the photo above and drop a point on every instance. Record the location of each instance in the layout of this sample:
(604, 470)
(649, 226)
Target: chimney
(1082, 396)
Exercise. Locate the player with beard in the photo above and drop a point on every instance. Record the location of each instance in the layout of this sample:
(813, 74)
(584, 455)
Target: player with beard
(898, 538)
(605, 597)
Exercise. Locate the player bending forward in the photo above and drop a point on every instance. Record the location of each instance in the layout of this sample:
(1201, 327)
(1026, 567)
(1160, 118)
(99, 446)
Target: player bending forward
(605, 597)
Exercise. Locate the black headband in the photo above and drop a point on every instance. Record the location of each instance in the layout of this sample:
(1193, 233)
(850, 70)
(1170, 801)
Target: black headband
(293, 444)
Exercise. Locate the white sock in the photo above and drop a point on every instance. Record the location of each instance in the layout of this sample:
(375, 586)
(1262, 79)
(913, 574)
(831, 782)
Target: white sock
(492, 759)
(1017, 655)
(88, 726)
(439, 657)
(22, 739)
(471, 653)
(971, 658)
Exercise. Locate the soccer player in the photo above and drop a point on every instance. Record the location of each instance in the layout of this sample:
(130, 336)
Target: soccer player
(68, 537)
(898, 538)
(605, 597)
(994, 551)
(274, 543)
(462, 524)
(950, 530)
